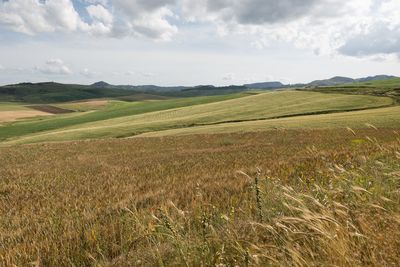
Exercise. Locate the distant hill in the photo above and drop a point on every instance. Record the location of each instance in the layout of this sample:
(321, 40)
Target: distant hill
(332, 81)
(376, 78)
(51, 92)
(345, 80)
(101, 84)
(264, 85)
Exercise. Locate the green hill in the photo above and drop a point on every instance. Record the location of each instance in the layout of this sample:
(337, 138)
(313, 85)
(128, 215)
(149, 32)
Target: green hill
(144, 117)
(113, 110)
(55, 92)
(389, 87)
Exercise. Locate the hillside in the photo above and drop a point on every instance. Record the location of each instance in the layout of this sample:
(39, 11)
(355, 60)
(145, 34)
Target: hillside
(338, 80)
(263, 106)
(50, 92)
(258, 199)
(115, 109)
(389, 87)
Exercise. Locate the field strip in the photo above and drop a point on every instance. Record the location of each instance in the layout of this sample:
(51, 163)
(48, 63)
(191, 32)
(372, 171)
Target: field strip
(9, 116)
(50, 109)
(260, 108)
(383, 117)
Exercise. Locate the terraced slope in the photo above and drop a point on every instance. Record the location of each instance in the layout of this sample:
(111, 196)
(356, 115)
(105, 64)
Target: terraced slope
(251, 108)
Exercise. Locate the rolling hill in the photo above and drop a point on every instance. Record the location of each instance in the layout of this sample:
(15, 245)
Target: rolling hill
(142, 118)
(338, 80)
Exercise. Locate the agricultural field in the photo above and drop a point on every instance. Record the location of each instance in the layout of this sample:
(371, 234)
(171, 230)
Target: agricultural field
(282, 197)
(192, 133)
(133, 119)
(115, 109)
(10, 112)
(306, 177)
(390, 87)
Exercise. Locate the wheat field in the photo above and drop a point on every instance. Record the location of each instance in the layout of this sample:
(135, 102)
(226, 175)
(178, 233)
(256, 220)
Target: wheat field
(275, 198)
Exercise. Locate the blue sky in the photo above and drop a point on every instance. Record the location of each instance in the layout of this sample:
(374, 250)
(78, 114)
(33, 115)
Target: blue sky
(190, 42)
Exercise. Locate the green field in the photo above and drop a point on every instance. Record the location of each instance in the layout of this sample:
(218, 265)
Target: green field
(114, 123)
(382, 118)
(115, 109)
(12, 106)
(390, 88)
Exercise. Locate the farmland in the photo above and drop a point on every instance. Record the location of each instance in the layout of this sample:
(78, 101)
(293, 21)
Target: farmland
(10, 112)
(324, 197)
(131, 119)
(306, 177)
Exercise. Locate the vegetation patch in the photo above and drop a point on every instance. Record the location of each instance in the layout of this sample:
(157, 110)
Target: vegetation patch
(51, 109)
(250, 109)
(291, 198)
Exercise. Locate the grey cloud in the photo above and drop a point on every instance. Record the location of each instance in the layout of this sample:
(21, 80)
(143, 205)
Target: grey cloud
(260, 11)
(154, 4)
(380, 39)
(272, 11)
(138, 7)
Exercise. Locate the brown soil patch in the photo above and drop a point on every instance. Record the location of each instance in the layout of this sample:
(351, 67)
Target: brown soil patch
(51, 109)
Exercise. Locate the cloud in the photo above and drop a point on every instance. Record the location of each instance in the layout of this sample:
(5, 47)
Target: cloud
(98, 12)
(379, 39)
(95, 2)
(228, 77)
(88, 73)
(54, 67)
(34, 16)
(354, 27)
(319, 25)
(1, 67)
(102, 20)
(261, 11)
(145, 18)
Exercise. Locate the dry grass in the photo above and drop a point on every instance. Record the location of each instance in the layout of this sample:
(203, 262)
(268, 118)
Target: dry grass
(8, 116)
(321, 198)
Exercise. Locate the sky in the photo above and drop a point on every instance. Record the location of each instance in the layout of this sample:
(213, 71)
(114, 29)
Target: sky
(193, 42)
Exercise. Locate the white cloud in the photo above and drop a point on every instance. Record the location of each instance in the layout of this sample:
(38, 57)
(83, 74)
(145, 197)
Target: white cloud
(228, 77)
(88, 73)
(102, 20)
(54, 66)
(380, 36)
(146, 74)
(34, 16)
(1, 67)
(98, 12)
(321, 26)
(354, 27)
(146, 18)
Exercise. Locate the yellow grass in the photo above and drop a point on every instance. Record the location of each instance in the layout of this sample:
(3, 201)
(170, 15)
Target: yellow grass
(241, 182)
(382, 117)
(275, 198)
(9, 116)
